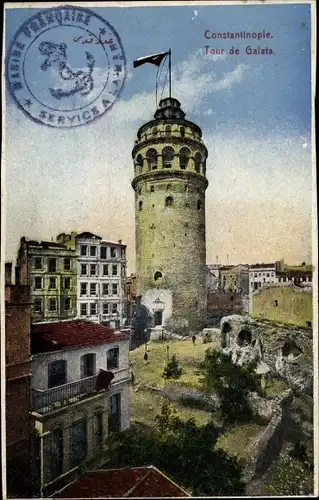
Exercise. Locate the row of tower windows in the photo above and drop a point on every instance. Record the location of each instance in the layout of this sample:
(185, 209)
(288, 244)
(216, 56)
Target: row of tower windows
(167, 158)
(167, 132)
(169, 187)
(169, 202)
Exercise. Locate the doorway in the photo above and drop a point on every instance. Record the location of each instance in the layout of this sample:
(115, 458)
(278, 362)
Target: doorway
(158, 318)
(114, 421)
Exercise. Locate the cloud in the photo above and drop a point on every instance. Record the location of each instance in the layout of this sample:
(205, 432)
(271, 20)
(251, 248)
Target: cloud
(192, 83)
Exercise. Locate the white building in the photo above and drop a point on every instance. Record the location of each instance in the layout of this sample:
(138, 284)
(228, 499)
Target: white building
(259, 275)
(80, 393)
(101, 276)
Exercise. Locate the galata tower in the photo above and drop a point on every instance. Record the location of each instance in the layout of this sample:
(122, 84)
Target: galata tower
(170, 183)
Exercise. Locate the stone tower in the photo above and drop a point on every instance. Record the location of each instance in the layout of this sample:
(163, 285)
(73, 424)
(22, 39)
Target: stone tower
(169, 183)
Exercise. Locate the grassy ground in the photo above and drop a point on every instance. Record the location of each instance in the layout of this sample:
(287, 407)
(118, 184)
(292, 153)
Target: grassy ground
(275, 388)
(188, 355)
(147, 404)
(236, 440)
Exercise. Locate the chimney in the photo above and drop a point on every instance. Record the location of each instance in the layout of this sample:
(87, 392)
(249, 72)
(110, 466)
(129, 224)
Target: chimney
(8, 273)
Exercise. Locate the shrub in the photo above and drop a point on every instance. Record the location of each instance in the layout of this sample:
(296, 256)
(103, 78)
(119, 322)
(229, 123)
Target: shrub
(172, 369)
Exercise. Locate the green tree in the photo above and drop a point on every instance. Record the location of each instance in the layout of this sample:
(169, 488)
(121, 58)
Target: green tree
(183, 451)
(231, 383)
(172, 369)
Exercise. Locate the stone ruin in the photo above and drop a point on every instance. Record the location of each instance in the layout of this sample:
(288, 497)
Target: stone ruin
(281, 351)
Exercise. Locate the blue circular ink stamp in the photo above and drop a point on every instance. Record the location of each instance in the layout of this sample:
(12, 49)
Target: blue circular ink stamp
(65, 67)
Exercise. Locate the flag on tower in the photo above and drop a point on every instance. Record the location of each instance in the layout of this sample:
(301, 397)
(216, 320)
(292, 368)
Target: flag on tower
(153, 59)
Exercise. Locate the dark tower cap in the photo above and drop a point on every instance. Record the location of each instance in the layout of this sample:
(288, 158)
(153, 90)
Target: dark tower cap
(169, 108)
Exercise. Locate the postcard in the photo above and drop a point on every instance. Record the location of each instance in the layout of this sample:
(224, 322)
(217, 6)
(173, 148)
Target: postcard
(159, 257)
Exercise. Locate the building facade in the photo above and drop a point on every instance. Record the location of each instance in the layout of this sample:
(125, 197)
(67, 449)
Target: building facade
(284, 302)
(259, 276)
(50, 270)
(170, 183)
(220, 303)
(75, 401)
(101, 273)
(234, 279)
(18, 377)
(294, 274)
(131, 296)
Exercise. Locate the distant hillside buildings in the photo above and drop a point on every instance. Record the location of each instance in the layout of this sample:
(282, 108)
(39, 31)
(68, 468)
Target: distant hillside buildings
(275, 291)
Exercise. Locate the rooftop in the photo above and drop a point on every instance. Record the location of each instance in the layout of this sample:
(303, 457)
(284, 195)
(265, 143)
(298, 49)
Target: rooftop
(44, 244)
(261, 266)
(46, 337)
(87, 234)
(142, 482)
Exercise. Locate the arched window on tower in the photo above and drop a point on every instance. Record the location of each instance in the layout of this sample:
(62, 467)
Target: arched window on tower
(169, 201)
(139, 163)
(198, 161)
(154, 131)
(158, 275)
(140, 206)
(168, 187)
(182, 131)
(168, 131)
(199, 204)
(151, 156)
(184, 155)
(168, 154)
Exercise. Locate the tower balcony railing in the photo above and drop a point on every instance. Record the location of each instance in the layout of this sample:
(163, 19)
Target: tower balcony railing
(163, 135)
(47, 400)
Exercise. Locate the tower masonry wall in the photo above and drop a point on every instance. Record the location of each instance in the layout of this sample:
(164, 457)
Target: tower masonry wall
(170, 216)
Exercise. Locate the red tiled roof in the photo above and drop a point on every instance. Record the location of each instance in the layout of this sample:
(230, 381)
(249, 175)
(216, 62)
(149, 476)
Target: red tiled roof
(142, 482)
(71, 334)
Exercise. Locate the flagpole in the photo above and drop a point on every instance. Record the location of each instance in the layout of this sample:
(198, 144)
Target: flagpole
(170, 72)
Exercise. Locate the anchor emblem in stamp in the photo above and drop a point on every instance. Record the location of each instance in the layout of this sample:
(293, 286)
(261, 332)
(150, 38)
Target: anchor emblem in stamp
(65, 67)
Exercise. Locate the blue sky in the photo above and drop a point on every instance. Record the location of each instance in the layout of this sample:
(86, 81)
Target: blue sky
(255, 113)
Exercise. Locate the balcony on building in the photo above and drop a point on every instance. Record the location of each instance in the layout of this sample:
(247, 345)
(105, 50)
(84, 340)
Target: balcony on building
(45, 401)
(75, 360)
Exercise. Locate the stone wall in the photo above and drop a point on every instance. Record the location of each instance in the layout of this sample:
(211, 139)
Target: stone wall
(277, 302)
(180, 393)
(268, 445)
